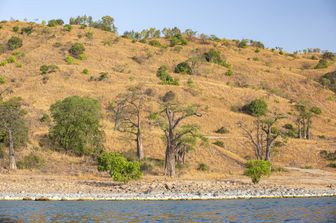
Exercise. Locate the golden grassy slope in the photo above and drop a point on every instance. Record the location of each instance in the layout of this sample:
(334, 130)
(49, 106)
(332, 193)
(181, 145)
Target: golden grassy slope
(279, 79)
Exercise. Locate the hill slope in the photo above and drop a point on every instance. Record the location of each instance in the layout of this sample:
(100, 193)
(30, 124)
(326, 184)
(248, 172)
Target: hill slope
(281, 80)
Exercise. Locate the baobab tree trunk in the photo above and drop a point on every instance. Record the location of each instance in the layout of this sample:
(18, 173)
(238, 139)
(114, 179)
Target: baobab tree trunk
(170, 162)
(140, 151)
(12, 162)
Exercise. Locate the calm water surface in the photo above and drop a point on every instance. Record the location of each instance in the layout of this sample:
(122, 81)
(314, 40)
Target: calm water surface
(254, 210)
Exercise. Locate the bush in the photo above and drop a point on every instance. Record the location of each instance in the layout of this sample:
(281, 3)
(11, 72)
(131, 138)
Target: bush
(256, 108)
(69, 59)
(243, 43)
(165, 77)
(103, 76)
(257, 169)
(28, 30)
(45, 118)
(229, 73)
(55, 22)
(219, 143)
(328, 155)
(31, 161)
(329, 80)
(323, 63)
(168, 96)
(332, 165)
(119, 167)
(76, 50)
(2, 79)
(15, 29)
(76, 125)
(14, 43)
(178, 40)
(203, 167)
(46, 69)
(328, 56)
(85, 71)
(155, 43)
(222, 130)
(67, 28)
(11, 59)
(213, 56)
(183, 68)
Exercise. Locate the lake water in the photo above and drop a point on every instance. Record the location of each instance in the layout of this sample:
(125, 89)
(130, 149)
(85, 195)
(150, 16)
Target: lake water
(253, 210)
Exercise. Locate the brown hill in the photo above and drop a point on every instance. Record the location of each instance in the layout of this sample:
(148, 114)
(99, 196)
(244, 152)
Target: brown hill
(281, 80)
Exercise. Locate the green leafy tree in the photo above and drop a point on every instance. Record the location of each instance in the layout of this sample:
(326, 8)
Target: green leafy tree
(13, 127)
(119, 167)
(305, 114)
(76, 125)
(257, 169)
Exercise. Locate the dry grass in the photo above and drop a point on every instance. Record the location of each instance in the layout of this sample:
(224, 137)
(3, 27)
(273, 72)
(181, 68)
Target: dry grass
(276, 78)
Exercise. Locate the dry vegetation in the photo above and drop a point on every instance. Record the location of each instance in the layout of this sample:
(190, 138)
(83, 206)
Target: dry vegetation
(281, 80)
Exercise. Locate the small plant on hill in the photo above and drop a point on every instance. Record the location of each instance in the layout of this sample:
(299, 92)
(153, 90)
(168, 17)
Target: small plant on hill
(15, 29)
(119, 167)
(222, 130)
(46, 69)
(155, 43)
(31, 161)
(178, 40)
(229, 73)
(214, 56)
(27, 30)
(183, 68)
(329, 80)
(70, 60)
(323, 63)
(2, 79)
(257, 169)
(85, 71)
(203, 167)
(243, 43)
(219, 143)
(67, 28)
(256, 108)
(55, 22)
(77, 50)
(14, 43)
(165, 77)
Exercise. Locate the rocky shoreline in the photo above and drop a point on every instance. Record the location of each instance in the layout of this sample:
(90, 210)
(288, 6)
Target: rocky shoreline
(169, 195)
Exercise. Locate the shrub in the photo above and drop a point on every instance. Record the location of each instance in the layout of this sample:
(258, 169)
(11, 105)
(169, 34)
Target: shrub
(55, 22)
(15, 29)
(328, 56)
(256, 108)
(219, 143)
(155, 43)
(67, 28)
(213, 56)
(222, 130)
(85, 71)
(243, 43)
(203, 167)
(178, 40)
(323, 63)
(31, 161)
(329, 80)
(168, 96)
(76, 50)
(102, 76)
(229, 73)
(69, 59)
(46, 69)
(11, 59)
(119, 167)
(257, 169)
(328, 155)
(45, 118)
(2, 79)
(164, 76)
(27, 30)
(316, 110)
(14, 43)
(183, 68)
(89, 35)
(76, 125)
(332, 165)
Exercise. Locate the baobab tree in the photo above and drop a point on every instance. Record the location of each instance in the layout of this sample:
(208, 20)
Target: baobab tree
(179, 137)
(13, 128)
(263, 135)
(304, 119)
(128, 113)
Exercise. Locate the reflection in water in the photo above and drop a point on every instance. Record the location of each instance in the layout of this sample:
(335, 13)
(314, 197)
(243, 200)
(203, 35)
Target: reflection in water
(254, 210)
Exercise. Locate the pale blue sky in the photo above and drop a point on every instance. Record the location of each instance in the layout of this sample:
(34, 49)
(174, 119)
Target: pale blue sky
(291, 24)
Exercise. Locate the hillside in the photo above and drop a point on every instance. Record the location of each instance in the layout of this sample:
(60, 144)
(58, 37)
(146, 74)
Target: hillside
(280, 79)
